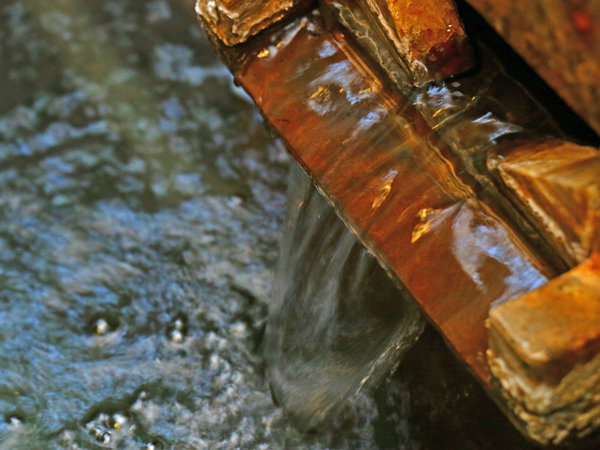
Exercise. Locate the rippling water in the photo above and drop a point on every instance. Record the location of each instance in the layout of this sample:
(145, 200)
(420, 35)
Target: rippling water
(140, 209)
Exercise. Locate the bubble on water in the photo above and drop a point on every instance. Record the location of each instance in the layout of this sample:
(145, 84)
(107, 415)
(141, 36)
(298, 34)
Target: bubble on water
(177, 329)
(99, 432)
(176, 336)
(109, 428)
(102, 323)
(118, 420)
(101, 326)
(15, 421)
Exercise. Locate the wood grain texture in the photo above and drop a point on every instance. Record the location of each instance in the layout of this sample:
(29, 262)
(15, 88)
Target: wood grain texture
(560, 39)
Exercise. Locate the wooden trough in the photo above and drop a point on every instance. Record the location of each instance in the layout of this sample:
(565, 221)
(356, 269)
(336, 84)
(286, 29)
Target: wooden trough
(465, 190)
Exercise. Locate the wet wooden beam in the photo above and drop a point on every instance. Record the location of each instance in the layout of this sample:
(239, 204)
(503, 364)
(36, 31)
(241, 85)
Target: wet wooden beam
(544, 350)
(427, 35)
(560, 39)
(408, 171)
(235, 21)
(376, 158)
(544, 346)
(557, 185)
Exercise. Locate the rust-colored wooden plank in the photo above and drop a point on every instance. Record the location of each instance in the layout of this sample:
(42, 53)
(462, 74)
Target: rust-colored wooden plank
(406, 169)
(560, 39)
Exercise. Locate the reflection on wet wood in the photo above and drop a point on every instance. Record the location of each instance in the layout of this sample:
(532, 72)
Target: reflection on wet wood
(544, 350)
(234, 21)
(470, 114)
(560, 40)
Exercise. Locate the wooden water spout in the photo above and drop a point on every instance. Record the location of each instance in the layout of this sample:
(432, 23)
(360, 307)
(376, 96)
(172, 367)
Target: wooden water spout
(465, 190)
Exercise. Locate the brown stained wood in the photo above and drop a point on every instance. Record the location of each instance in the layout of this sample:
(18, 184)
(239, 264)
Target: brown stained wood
(544, 351)
(379, 162)
(428, 35)
(560, 39)
(557, 184)
(234, 21)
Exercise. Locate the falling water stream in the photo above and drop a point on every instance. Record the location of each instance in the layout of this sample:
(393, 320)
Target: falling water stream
(337, 322)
